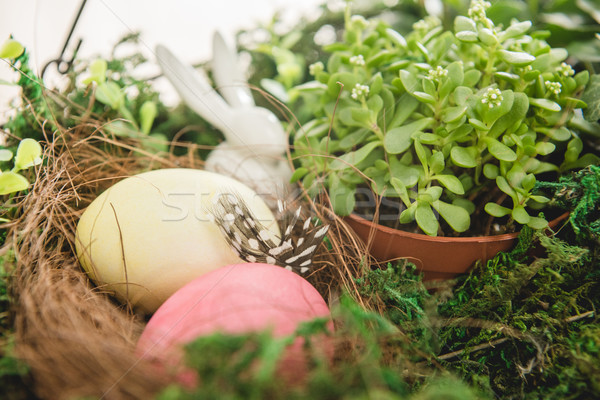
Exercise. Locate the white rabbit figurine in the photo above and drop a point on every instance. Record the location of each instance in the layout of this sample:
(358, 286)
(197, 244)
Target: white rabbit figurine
(254, 150)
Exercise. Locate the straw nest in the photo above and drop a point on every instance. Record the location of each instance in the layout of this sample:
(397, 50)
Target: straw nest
(76, 339)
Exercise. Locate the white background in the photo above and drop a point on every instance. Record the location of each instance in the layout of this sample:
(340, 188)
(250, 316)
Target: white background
(185, 26)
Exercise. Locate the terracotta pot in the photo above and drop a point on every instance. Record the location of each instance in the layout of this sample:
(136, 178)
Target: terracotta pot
(437, 257)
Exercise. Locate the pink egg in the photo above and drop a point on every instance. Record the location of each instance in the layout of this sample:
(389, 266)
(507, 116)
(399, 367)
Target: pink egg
(235, 299)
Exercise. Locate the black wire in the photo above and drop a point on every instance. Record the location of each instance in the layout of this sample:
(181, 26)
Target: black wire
(63, 66)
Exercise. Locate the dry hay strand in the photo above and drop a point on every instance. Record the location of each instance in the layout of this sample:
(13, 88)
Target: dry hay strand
(75, 338)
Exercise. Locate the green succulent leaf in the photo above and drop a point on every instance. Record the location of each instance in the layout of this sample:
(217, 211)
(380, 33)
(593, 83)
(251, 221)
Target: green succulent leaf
(520, 215)
(436, 163)
(424, 97)
(467, 36)
(491, 171)
(399, 139)
(409, 81)
(537, 223)
(516, 29)
(496, 210)
(545, 104)
(148, 112)
(544, 148)
(426, 219)
(466, 204)
(407, 216)
(110, 93)
(29, 153)
(11, 49)
(12, 182)
(400, 189)
(97, 72)
(341, 195)
(528, 182)
(451, 183)
(462, 94)
(453, 114)
(456, 216)
(516, 58)
(504, 186)
(500, 150)
(462, 23)
(298, 174)
(464, 156)
(354, 157)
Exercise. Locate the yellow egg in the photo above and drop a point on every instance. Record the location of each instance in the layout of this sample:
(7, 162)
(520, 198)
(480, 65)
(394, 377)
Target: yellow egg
(150, 234)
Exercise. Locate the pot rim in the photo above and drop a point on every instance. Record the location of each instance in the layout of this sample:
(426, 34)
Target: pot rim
(447, 239)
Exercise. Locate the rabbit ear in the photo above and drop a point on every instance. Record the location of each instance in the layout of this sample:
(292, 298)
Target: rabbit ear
(228, 76)
(194, 88)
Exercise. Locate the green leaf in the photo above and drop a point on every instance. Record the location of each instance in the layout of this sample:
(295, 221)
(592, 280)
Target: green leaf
(591, 96)
(516, 58)
(341, 195)
(148, 112)
(347, 79)
(11, 49)
(421, 153)
(298, 174)
(528, 182)
(504, 186)
(464, 203)
(29, 153)
(5, 155)
(354, 157)
(561, 134)
(520, 215)
(407, 216)
(436, 162)
(544, 148)
(539, 199)
(487, 36)
(398, 140)
(496, 210)
(400, 188)
(455, 73)
(500, 150)
(376, 84)
(457, 217)
(97, 72)
(462, 94)
(537, 223)
(467, 36)
(408, 80)
(477, 124)
(545, 104)
(462, 23)
(11, 182)
(404, 109)
(464, 156)
(110, 93)
(424, 97)
(516, 29)
(362, 116)
(472, 76)
(452, 114)
(491, 115)
(426, 218)
(451, 182)
(491, 171)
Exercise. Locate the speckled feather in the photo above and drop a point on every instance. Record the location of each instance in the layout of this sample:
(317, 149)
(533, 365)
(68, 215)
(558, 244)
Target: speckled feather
(254, 242)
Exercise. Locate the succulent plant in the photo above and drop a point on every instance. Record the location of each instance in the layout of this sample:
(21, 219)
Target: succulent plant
(447, 122)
